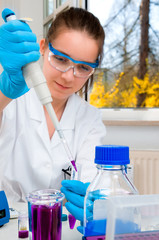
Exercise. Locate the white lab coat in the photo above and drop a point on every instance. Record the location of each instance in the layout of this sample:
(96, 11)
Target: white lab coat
(33, 161)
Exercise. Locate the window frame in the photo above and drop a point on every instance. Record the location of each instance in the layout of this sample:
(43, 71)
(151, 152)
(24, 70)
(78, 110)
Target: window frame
(130, 117)
(56, 10)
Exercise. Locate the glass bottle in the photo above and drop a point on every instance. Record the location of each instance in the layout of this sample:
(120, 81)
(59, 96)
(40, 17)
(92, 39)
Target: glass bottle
(111, 179)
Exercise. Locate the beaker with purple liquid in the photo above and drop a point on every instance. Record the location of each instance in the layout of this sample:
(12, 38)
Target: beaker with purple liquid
(45, 211)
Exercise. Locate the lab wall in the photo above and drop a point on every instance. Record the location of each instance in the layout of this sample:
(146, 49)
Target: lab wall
(143, 142)
(137, 128)
(136, 137)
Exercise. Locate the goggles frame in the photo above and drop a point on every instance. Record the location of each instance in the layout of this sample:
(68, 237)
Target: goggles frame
(56, 52)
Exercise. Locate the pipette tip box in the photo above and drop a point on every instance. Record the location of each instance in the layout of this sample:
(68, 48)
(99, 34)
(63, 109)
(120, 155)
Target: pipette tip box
(133, 216)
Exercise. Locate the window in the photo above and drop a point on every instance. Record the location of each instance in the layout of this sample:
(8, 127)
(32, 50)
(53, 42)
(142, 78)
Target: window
(129, 74)
(60, 2)
(48, 8)
(109, 113)
(51, 8)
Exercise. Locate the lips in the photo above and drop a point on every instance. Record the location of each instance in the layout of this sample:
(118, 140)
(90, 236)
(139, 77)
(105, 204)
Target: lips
(61, 86)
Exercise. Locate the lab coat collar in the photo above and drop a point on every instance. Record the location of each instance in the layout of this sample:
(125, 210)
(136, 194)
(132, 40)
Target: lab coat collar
(37, 112)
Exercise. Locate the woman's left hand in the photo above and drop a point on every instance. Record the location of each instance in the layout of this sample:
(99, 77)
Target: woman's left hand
(75, 192)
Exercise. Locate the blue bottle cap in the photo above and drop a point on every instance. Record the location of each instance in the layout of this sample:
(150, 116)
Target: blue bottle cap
(112, 155)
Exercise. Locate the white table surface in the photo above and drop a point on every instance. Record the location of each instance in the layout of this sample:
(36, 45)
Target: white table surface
(9, 231)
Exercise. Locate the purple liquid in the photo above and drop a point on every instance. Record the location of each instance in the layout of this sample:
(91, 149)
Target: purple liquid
(56, 222)
(74, 165)
(34, 219)
(23, 234)
(72, 221)
(46, 222)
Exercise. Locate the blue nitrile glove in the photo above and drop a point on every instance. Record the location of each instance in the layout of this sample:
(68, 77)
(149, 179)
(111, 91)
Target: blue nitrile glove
(18, 47)
(75, 192)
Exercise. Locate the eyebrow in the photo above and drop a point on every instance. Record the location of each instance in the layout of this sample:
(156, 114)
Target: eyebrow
(56, 52)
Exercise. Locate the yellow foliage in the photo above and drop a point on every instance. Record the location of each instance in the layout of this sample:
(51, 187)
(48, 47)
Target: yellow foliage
(119, 97)
(128, 98)
(98, 91)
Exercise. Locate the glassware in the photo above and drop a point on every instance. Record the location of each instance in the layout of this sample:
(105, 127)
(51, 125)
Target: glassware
(111, 179)
(23, 226)
(141, 210)
(45, 214)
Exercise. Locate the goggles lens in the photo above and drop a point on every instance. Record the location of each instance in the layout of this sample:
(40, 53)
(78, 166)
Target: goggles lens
(63, 63)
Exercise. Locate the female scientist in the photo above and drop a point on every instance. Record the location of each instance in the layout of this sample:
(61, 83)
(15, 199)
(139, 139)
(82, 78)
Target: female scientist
(30, 148)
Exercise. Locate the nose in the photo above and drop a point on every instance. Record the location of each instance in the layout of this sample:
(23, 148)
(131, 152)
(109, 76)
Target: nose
(69, 74)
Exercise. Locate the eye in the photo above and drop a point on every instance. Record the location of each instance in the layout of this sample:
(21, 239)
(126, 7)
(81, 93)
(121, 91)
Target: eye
(84, 67)
(60, 59)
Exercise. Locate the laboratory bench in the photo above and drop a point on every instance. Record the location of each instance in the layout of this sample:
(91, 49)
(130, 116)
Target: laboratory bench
(9, 231)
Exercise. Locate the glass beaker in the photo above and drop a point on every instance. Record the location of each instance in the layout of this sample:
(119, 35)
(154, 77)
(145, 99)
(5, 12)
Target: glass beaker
(45, 211)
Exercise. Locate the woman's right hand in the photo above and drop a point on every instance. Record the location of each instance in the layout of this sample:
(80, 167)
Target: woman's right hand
(18, 47)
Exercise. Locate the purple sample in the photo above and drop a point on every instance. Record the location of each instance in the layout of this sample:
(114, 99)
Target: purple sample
(23, 234)
(74, 165)
(46, 222)
(34, 214)
(56, 222)
(72, 221)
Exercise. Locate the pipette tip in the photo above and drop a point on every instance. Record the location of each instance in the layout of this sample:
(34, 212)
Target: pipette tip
(72, 221)
(74, 165)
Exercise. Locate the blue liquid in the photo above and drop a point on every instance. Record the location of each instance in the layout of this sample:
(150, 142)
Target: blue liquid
(95, 228)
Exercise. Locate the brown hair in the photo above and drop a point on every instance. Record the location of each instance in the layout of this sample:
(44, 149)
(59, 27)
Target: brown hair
(82, 20)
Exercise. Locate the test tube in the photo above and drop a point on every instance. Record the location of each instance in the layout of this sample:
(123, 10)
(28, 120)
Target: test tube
(23, 225)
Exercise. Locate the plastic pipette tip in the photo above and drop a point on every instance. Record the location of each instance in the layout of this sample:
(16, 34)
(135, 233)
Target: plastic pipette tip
(74, 165)
(72, 221)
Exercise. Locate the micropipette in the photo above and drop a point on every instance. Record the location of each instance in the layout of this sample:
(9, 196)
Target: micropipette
(34, 77)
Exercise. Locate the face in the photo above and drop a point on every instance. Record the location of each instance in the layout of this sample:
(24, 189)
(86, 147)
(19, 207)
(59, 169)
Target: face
(77, 45)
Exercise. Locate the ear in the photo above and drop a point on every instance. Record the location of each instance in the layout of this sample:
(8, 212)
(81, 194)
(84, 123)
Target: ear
(42, 46)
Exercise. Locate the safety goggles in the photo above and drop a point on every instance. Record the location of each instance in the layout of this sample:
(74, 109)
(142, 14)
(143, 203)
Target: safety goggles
(63, 63)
